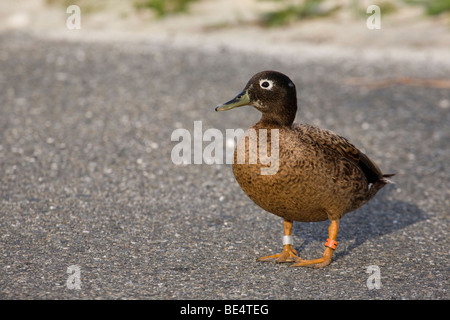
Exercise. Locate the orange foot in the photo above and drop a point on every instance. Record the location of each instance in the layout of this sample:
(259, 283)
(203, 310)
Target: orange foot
(287, 255)
(316, 263)
(330, 246)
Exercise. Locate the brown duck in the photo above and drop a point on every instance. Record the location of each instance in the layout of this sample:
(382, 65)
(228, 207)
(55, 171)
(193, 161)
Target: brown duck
(314, 174)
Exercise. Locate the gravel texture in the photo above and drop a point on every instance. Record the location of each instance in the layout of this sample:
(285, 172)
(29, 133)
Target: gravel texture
(86, 176)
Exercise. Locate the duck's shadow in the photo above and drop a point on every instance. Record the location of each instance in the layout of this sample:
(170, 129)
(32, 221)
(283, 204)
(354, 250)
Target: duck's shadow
(379, 217)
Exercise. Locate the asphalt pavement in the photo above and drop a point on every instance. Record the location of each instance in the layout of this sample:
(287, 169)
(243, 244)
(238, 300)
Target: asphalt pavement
(93, 207)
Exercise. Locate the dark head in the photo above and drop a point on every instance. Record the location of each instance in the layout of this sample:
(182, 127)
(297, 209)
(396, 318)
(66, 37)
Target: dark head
(272, 93)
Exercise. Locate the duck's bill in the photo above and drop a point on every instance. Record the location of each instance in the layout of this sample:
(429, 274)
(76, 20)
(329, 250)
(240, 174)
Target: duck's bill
(242, 99)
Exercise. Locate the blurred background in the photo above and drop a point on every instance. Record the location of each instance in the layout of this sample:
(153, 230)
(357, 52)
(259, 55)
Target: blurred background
(416, 24)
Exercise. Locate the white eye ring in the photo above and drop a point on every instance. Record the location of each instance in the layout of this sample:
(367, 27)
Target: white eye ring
(266, 84)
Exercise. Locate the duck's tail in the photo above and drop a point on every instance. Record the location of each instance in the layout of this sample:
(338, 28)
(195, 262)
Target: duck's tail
(374, 187)
(380, 183)
(384, 179)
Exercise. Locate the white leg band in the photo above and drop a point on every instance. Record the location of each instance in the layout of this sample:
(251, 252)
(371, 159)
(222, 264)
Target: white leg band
(288, 240)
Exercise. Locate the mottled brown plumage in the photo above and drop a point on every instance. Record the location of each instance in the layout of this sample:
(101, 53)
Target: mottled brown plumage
(320, 175)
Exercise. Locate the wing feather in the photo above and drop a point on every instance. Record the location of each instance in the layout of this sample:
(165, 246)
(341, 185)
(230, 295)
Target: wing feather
(332, 141)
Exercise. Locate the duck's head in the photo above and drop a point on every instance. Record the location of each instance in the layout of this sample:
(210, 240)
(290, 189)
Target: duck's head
(272, 93)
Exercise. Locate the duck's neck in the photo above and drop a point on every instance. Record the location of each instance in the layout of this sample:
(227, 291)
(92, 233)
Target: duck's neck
(278, 119)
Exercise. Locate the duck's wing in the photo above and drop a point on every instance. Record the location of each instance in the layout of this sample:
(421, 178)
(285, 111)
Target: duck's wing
(332, 141)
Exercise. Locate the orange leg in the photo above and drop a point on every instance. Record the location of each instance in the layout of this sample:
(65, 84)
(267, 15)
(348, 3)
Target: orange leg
(328, 253)
(288, 254)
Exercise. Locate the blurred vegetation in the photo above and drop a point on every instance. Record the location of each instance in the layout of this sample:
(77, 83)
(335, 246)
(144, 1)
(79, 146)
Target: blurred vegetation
(432, 7)
(86, 6)
(292, 12)
(161, 8)
(288, 10)
(386, 7)
(164, 7)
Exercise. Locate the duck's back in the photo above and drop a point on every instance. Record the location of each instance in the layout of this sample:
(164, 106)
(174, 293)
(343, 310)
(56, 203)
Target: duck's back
(320, 175)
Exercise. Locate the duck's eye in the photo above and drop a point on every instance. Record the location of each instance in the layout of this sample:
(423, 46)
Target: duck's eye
(266, 84)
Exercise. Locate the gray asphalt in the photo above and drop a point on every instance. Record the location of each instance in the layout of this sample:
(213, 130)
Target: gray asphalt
(86, 176)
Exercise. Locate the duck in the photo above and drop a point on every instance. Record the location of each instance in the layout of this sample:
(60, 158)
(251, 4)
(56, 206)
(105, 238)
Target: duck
(314, 174)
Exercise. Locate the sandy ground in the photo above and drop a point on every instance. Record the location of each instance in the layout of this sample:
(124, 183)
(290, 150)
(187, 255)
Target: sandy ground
(407, 33)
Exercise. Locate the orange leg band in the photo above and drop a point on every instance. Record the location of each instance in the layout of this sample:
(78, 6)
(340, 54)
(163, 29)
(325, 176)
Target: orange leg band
(331, 244)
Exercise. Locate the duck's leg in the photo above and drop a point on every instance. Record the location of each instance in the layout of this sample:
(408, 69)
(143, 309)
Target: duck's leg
(330, 245)
(288, 254)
